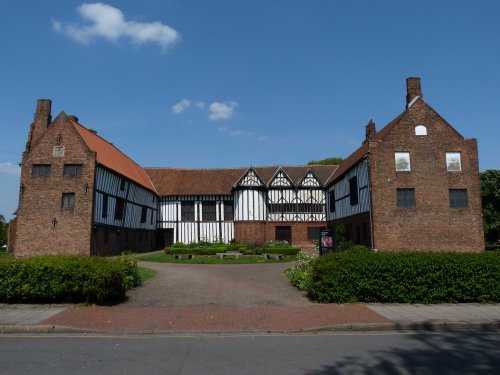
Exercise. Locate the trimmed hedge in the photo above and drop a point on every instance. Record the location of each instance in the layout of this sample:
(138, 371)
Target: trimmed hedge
(203, 248)
(67, 279)
(288, 250)
(212, 250)
(406, 278)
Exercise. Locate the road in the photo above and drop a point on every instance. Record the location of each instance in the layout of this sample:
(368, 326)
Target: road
(382, 353)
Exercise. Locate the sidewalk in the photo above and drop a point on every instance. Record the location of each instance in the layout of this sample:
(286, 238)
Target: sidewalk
(263, 319)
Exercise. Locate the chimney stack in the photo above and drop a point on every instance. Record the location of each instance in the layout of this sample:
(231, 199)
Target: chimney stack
(412, 89)
(41, 121)
(370, 130)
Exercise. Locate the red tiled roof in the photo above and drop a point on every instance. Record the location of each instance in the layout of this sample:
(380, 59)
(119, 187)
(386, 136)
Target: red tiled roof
(178, 181)
(112, 158)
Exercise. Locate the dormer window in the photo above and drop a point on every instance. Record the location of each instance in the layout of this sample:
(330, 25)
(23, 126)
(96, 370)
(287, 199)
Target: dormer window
(420, 130)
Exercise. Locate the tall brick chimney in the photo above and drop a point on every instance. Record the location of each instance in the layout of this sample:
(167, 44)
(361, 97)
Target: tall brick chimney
(370, 130)
(412, 89)
(41, 121)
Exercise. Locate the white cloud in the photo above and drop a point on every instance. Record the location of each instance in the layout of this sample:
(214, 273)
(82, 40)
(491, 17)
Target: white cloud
(222, 111)
(262, 138)
(181, 106)
(200, 105)
(10, 168)
(105, 21)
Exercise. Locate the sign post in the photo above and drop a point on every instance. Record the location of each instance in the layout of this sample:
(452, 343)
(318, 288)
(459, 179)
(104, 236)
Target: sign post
(326, 241)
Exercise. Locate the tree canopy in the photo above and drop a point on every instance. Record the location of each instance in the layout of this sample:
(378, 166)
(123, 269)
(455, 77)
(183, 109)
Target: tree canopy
(335, 160)
(490, 194)
(3, 231)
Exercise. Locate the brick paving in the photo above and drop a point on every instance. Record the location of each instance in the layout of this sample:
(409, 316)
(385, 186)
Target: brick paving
(121, 319)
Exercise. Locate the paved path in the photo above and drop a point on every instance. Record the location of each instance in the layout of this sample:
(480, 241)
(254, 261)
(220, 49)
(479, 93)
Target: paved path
(235, 285)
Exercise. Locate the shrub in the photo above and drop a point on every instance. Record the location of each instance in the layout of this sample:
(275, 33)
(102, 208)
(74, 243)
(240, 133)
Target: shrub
(406, 277)
(300, 274)
(288, 250)
(65, 279)
(349, 246)
(132, 277)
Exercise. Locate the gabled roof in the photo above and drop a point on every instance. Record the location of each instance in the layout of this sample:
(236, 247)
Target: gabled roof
(112, 158)
(357, 155)
(179, 181)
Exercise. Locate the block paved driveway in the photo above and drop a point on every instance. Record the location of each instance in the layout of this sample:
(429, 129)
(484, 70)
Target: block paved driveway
(231, 285)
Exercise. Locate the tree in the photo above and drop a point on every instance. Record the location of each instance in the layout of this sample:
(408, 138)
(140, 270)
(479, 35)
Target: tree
(328, 161)
(490, 194)
(4, 228)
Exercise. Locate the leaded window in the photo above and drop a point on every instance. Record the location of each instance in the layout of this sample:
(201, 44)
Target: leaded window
(228, 211)
(41, 170)
(187, 211)
(72, 170)
(458, 198)
(208, 209)
(68, 201)
(405, 198)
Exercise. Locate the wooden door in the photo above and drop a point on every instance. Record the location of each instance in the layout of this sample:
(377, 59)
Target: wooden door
(284, 233)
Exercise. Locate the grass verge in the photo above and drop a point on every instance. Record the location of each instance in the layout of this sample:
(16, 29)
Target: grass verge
(161, 257)
(146, 273)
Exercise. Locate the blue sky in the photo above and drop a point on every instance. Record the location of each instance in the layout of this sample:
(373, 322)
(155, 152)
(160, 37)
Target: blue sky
(231, 83)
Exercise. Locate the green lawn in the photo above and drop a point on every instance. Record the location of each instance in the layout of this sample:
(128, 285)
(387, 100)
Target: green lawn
(161, 257)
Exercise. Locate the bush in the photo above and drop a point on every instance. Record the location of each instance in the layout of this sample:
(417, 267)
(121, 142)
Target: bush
(300, 274)
(349, 246)
(49, 279)
(406, 278)
(204, 248)
(289, 250)
(132, 277)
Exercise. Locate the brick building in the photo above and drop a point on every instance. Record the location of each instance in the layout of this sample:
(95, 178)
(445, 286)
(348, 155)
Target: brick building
(414, 185)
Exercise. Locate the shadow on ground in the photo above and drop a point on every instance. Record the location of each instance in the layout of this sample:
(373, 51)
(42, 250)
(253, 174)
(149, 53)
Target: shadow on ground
(448, 353)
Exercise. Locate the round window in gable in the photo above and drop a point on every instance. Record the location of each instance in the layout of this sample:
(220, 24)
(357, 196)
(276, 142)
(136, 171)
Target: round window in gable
(420, 130)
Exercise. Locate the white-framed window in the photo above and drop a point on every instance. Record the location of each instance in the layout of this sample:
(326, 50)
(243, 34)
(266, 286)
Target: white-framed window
(453, 162)
(420, 130)
(402, 161)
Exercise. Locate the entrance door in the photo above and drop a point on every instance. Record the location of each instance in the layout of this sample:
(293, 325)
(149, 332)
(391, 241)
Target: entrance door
(284, 234)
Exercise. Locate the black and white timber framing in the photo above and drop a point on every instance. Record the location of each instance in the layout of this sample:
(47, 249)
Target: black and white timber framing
(251, 199)
(339, 195)
(119, 202)
(196, 227)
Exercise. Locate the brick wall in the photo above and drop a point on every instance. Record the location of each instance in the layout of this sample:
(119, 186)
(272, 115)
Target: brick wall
(432, 225)
(250, 231)
(261, 232)
(43, 227)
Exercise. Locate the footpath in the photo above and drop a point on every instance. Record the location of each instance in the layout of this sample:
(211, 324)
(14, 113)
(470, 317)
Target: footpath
(261, 319)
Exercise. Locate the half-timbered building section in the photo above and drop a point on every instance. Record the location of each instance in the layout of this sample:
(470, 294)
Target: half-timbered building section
(195, 204)
(281, 204)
